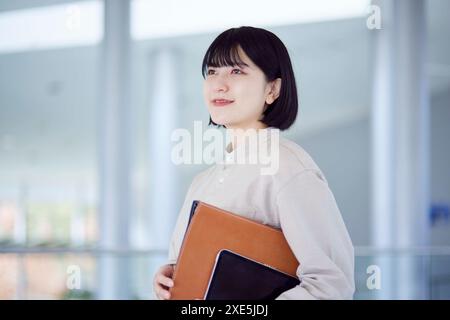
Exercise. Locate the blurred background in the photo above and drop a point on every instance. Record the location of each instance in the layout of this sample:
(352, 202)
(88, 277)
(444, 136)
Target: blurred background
(90, 92)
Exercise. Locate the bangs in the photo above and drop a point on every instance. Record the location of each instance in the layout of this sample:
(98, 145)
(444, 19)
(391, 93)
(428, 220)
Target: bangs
(222, 54)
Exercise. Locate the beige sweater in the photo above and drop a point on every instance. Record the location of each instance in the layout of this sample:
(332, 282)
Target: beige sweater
(296, 199)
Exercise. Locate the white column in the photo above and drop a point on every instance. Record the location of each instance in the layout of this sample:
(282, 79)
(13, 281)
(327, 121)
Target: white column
(163, 114)
(20, 218)
(412, 147)
(400, 147)
(21, 238)
(114, 121)
(77, 219)
(382, 128)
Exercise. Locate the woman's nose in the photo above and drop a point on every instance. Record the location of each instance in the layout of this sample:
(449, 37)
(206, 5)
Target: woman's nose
(221, 84)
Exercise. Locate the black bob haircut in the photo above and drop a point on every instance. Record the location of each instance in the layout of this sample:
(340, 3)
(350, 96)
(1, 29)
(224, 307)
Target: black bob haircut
(269, 53)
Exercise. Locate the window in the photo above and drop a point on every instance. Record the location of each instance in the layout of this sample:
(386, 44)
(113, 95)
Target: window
(153, 19)
(73, 24)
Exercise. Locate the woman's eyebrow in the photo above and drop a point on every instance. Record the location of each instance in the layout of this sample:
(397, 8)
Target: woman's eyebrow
(242, 65)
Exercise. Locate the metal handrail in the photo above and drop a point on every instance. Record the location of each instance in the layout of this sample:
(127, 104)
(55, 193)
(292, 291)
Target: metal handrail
(79, 250)
(420, 251)
(360, 251)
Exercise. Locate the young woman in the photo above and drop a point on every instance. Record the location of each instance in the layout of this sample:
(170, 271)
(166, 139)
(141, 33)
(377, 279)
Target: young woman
(249, 84)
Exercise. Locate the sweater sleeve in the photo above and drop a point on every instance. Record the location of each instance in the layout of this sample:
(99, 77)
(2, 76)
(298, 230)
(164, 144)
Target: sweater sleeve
(180, 228)
(313, 227)
(181, 224)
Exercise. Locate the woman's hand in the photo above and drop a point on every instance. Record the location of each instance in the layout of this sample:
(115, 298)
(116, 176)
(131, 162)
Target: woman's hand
(163, 281)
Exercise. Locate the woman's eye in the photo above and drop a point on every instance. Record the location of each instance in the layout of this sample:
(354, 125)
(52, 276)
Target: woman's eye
(236, 71)
(210, 71)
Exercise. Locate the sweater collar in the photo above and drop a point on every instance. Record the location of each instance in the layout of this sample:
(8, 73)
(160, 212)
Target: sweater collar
(248, 146)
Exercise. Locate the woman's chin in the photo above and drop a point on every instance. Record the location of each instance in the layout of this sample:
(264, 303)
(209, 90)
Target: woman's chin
(220, 121)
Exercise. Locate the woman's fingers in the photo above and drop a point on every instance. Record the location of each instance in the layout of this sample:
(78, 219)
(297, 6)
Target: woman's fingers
(166, 294)
(162, 281)
(165, 280)
(167, 270)
(163, 294)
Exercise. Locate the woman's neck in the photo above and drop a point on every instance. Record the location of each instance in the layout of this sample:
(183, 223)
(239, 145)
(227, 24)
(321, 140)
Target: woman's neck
(238, 133)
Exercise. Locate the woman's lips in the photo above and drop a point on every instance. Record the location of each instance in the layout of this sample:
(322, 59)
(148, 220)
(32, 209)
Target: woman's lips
(221, 102)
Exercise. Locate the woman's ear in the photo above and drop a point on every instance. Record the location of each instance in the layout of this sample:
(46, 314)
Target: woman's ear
(274, 90)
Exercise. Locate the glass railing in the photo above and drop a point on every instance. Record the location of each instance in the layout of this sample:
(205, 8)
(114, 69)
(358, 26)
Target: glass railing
(409, 273)
(74, 273)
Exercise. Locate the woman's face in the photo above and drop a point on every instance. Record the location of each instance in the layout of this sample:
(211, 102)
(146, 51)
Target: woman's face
(236, 96)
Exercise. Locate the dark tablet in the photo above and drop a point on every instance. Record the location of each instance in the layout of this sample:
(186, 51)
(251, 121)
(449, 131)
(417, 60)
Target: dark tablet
(236, 277)
(193, 207)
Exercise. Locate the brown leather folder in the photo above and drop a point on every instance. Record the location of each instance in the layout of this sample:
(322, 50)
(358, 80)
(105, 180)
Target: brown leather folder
(212, 229)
